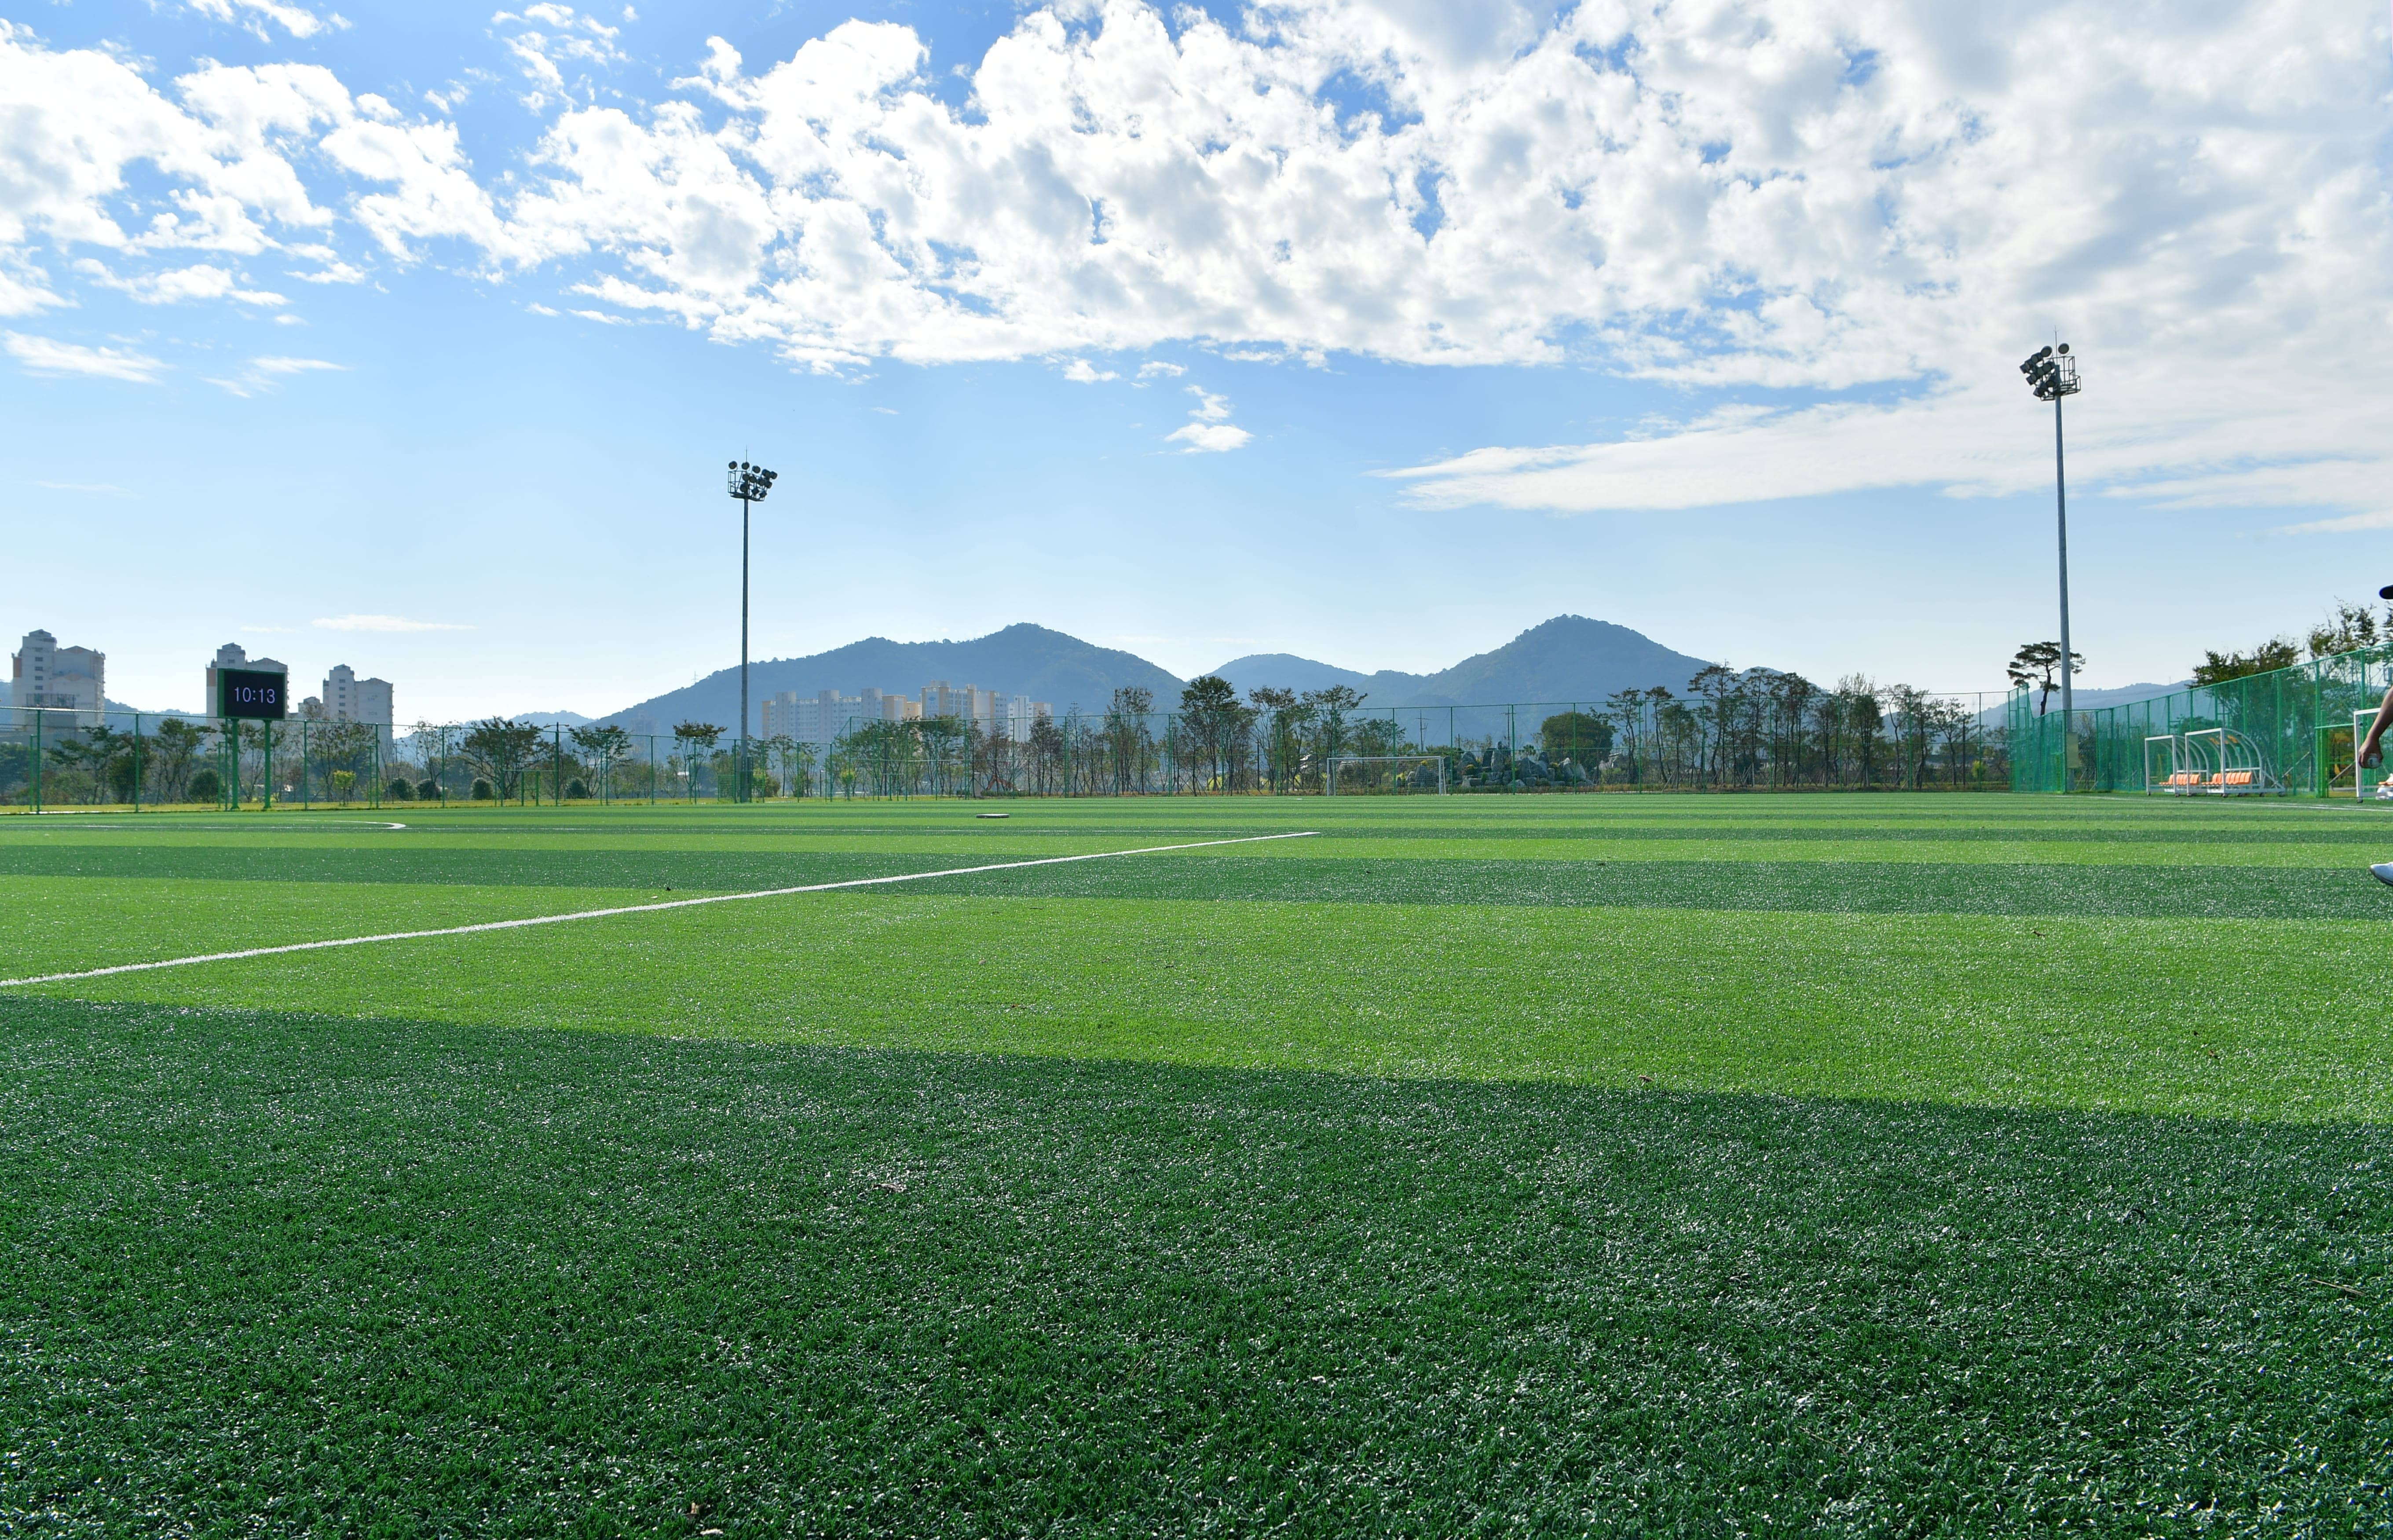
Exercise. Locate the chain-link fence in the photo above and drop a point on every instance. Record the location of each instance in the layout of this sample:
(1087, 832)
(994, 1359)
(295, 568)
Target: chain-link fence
(2288, 730)
(55, 758)
(1750, 734)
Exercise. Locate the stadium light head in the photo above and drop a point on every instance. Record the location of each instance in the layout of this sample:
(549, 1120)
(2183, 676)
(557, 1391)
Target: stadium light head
(2051, 372)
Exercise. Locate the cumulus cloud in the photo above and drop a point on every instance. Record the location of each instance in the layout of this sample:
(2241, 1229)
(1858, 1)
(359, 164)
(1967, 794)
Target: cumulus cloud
(1208, 430)
(1852, 216)
(46, 356)
(1081, 372)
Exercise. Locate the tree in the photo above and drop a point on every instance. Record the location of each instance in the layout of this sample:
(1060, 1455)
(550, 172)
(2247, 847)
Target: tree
(603, 746)
(1284, 722)
(500, 748)
(2270, 655)
(2349, 627)
(694, 737)
(1576, 735)
(1326, 711)
(2037, 667)
(1212, 717)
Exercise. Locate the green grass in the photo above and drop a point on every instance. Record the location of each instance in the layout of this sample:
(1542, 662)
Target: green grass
(1452, 1172)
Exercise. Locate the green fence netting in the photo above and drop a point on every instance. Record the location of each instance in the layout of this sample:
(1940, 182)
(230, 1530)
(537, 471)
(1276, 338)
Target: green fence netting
(2288, 731)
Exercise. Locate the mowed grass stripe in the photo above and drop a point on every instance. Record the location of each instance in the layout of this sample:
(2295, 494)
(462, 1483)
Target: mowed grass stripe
(2266, 1019)
(146, 878)
(573, 857)
(268, 1273)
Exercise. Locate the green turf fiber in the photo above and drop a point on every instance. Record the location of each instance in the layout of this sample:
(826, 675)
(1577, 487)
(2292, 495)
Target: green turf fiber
(270, 1274)
(1873, 1165)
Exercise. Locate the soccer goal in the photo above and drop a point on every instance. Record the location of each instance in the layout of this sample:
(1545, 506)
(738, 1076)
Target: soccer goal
(2365, 783)
(1353, 775)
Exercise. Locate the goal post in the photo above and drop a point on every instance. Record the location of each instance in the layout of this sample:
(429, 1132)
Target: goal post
(1387, 773)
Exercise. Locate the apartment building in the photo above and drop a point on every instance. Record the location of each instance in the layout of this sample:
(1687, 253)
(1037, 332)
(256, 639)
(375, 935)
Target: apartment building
(823, 717)
(232, 656)
(42, 673)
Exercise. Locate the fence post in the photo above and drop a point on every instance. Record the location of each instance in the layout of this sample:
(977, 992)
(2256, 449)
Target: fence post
(136, 762)
(37, 759)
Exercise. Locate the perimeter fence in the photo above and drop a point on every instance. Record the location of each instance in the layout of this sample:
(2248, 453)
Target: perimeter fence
(2290, 730)
(1758, 733)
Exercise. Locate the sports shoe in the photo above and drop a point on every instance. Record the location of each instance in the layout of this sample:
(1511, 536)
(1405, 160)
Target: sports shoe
(2383, 870)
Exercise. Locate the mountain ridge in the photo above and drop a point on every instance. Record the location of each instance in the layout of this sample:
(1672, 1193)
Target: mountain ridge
(1568, 658)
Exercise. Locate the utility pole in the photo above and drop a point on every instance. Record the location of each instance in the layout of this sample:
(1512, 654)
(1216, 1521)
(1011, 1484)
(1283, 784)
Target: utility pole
(749, 484)
(2052, 374)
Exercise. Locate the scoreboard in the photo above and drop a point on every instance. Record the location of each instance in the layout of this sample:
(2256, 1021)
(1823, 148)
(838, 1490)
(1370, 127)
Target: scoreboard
(253, 695)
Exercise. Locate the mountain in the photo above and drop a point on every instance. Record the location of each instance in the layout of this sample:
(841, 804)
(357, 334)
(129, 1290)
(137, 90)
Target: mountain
(1021, 659)
(1287, 671)
(2093, 701)
(571, 719)
(1568, 657)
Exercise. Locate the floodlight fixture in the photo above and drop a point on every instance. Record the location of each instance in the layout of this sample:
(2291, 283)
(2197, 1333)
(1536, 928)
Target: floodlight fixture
(2052, 375)
(749, 483)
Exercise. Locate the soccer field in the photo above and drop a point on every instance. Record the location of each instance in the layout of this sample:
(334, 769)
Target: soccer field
(1857, 1165)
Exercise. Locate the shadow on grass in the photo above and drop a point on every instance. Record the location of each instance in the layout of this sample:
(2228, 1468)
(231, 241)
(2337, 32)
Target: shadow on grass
(281, 1272)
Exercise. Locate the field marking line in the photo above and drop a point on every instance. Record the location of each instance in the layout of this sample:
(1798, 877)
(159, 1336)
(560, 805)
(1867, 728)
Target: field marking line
(640, 909)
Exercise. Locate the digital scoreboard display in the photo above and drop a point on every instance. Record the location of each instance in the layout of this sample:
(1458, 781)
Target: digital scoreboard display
(253, 695)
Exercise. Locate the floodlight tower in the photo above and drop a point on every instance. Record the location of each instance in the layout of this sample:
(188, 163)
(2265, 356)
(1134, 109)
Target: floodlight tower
(749, 484)
(2052, 374)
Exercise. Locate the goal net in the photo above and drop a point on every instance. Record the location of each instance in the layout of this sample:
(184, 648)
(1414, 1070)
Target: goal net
(1355, 775)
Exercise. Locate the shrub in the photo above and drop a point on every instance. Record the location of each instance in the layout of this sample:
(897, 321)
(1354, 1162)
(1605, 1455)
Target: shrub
(206, 786)
(481, 790)
(575, 791)
(427, 789)
(345, 784)
(399, 790)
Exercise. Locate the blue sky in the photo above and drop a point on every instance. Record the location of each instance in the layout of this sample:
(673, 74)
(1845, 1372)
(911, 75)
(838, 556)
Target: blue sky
(1374, 333)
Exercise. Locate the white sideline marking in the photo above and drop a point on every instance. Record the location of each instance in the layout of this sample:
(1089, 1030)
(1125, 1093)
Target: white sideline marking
(639, 908)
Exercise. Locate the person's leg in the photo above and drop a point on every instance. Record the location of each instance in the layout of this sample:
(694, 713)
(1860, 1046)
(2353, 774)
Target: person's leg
(2368, 748)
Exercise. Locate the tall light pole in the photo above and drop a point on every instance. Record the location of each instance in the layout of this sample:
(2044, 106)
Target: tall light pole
(2052, 374)
(749, 484)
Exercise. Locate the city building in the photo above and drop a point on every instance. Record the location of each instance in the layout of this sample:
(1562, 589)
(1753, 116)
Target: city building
(232, 656)
(829, 715)
(42, 673)
(349, 699)
(824, 717)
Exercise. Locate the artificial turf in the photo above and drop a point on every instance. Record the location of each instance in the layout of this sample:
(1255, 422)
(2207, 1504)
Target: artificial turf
(1370, 1183)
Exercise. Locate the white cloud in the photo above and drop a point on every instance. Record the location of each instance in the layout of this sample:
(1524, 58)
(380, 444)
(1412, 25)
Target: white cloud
(1081, 372)
(1761, 205)
(251, 15)
(2349, 523)
(43, 356)
(383, 622)
(263, 374)
(1160, 371)
(547, 39)
(1210, 430)
(178, 285)
(1209, 437)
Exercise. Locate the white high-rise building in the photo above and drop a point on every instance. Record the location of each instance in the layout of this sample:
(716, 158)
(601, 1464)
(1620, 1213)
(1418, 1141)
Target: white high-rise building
(232, 656)
(1017, 715)
(348, 699)
(829, 715)
(45, 674)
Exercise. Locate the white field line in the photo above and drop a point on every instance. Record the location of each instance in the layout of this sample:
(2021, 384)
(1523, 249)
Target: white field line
(638, 909)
